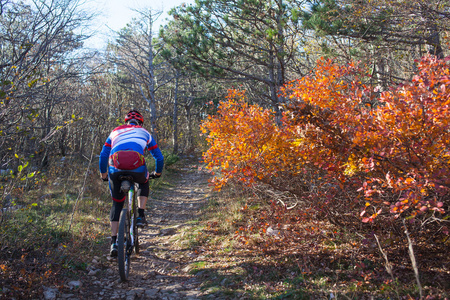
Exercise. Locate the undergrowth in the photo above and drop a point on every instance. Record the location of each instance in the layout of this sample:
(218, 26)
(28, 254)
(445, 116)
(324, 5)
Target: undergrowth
(245, 246)
(53, 223)
(50, 225)
(299, 256)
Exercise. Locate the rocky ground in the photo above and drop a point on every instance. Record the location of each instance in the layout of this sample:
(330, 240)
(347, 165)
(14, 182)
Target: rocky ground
(161, 270)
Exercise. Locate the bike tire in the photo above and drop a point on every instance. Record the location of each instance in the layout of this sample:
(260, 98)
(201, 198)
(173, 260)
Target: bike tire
(123, 239)
(135, 227)
(136, 235)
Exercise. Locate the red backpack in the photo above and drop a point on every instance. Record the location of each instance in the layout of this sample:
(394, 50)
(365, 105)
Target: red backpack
(126, 160)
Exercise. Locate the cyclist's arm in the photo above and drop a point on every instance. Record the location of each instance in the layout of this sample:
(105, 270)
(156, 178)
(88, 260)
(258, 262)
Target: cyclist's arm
(104, 156)
(157, 155)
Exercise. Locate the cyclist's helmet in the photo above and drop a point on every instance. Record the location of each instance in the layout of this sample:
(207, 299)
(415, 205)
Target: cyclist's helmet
(134, 115)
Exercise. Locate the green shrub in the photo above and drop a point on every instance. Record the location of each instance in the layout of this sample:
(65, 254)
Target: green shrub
(169, 159)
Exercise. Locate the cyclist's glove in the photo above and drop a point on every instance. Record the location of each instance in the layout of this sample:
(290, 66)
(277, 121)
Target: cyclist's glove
(105, 179)
(153, 175)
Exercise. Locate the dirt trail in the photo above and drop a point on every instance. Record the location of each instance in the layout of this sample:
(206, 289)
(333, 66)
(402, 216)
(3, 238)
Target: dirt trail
(159, 272)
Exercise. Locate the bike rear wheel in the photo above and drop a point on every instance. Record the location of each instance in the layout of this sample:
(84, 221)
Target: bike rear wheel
(124, 244)
(136, 233)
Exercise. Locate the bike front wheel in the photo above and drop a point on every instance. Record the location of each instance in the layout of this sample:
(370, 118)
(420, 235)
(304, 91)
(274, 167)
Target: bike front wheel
(136, 237)
(124, 241)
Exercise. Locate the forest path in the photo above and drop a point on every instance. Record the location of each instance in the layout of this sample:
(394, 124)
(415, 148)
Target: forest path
(159, 271)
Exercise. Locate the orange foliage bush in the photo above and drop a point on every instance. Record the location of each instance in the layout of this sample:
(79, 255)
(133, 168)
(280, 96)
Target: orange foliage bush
(244, 141)
(341, 146)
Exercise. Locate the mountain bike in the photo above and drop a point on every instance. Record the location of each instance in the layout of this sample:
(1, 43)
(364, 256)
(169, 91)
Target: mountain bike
(127, 236)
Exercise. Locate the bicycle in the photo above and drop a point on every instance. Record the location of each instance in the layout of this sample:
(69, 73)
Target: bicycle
(127, 236)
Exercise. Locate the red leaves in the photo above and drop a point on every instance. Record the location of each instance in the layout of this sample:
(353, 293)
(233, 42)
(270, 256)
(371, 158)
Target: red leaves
(335, 130)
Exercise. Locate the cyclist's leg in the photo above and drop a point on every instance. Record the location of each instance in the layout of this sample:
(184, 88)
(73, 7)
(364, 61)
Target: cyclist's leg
(118, 198)
(140, 176)
(143, 192)
(114, 216)
(142, 179)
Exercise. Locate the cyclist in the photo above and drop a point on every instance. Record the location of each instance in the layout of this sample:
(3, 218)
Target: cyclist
(123, 153)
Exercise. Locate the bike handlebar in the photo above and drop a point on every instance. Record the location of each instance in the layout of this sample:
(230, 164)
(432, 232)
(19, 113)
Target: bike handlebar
(153, 175)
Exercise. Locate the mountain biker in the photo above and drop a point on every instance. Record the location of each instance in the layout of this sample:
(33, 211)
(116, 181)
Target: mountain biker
(123, 153)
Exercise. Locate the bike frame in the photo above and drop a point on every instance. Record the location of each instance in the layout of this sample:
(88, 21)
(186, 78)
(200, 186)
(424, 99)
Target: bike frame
(128, 232)
(132, 212)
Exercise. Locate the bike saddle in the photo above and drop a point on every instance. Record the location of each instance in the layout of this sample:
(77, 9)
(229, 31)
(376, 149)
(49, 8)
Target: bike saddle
(126, 182)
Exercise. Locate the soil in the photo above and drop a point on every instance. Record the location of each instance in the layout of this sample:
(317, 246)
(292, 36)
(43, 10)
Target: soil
(160, 271)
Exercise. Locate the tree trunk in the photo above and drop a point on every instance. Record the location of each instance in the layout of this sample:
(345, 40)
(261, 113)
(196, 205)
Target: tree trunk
(151, 79)
(433, 41)
(189, 125)
(175, 115)
(62, 141)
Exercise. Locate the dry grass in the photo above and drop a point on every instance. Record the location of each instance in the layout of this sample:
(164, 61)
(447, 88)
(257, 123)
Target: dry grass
(40, 242)
(304, 257)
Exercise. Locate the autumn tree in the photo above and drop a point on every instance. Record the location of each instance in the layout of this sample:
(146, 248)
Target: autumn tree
(337, 151)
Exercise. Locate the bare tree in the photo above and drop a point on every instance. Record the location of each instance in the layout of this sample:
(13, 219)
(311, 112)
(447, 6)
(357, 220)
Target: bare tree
(37, 41)
(136, 52)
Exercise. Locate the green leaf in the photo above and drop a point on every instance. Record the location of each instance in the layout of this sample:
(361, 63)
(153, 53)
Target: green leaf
(32, 83)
